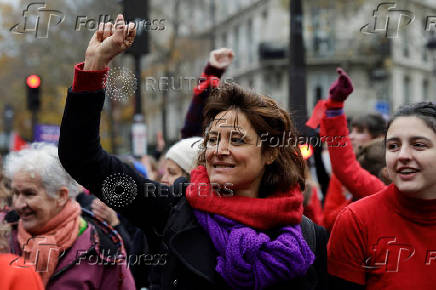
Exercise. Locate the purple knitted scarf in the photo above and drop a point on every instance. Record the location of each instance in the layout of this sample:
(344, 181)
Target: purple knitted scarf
(248, 259)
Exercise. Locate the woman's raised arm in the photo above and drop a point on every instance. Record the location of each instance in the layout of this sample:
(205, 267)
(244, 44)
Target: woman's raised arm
(144, 202)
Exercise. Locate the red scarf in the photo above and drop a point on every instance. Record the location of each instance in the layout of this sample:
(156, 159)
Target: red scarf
(57, 235)
(277, 210)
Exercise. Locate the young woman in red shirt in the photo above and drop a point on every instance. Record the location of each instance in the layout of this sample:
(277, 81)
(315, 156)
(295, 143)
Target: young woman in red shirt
(386, 240)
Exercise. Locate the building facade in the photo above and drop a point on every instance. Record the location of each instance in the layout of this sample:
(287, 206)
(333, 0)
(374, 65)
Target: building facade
(389, 65)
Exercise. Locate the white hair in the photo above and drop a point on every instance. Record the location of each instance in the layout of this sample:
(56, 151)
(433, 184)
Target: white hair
(42, 159)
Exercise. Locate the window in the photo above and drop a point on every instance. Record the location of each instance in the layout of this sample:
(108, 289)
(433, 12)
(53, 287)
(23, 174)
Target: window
(425, 91)
(323, 35)
(224, 39)
(406, 50)
(405, 44)
(424, 46)
(317, 95)
(424, 54)
(236, 45)
(250, 44)
(406, 90)
(265, 15)
(251, 83)
(278, 80)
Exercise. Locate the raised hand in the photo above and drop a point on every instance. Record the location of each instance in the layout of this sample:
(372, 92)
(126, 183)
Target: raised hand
(342, 87)
(107, 42)
(221, 58)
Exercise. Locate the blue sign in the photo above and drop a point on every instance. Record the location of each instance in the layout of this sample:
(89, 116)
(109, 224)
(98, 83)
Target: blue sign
(47, 133)
(383, 108)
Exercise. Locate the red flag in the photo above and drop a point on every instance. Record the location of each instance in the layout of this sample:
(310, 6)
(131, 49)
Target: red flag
(17, 143)
(317, 114)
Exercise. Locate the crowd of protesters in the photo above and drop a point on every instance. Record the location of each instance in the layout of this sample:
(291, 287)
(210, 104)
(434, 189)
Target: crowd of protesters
(221, 209)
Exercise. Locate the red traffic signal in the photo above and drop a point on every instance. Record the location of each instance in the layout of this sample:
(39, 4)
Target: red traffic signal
(33, 81)
(33, 85)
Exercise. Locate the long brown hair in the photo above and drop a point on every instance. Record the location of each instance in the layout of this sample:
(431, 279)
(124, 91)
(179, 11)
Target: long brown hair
(267, 118)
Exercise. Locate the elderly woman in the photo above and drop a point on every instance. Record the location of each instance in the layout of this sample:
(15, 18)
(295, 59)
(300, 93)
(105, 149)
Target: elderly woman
(68, 250)
(13, 278)
(237, 225)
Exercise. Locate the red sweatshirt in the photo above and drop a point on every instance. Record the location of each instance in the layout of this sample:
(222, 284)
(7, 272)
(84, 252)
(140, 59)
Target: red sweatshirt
(14, 277)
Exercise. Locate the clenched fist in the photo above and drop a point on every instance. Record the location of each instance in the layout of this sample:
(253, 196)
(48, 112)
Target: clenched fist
(221, 58)
(342, 87)
(107, 42)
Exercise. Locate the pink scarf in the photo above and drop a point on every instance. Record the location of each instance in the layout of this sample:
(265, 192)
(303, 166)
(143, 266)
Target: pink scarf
(57, 235)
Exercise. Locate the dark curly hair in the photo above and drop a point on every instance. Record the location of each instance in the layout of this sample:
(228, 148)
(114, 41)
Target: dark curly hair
(266, 116)
(425, 111)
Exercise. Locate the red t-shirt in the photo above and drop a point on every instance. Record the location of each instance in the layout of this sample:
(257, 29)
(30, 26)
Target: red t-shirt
(385, 241)
(14, 277)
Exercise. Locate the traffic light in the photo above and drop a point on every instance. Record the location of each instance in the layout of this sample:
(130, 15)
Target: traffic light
(33, 83)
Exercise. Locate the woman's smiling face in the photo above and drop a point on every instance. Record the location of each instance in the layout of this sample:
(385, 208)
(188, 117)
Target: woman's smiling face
(234, 157)
(32, 202)
(411, 157)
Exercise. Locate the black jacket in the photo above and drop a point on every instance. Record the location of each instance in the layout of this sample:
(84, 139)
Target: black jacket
(183, 249)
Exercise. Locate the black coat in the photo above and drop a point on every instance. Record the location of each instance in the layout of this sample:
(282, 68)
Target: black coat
(184, 255)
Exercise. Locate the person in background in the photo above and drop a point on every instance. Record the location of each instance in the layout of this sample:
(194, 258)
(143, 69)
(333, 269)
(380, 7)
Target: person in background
(366, 128)
(346, 182)
(13, 278)
(371, 157)
(181, 157)
(151, 166)
(219, 60)
(180, 160)
(53, 233)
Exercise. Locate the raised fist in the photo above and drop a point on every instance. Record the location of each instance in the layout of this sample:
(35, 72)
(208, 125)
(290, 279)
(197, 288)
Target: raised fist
(107, 42)
(342, 87)
(221, 58)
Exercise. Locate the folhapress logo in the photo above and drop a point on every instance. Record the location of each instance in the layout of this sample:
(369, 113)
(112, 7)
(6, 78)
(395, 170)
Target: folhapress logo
(388, 254)
(386, 19)
(38, 19)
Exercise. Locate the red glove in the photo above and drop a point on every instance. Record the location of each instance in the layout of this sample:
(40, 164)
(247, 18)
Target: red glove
(339, 90)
